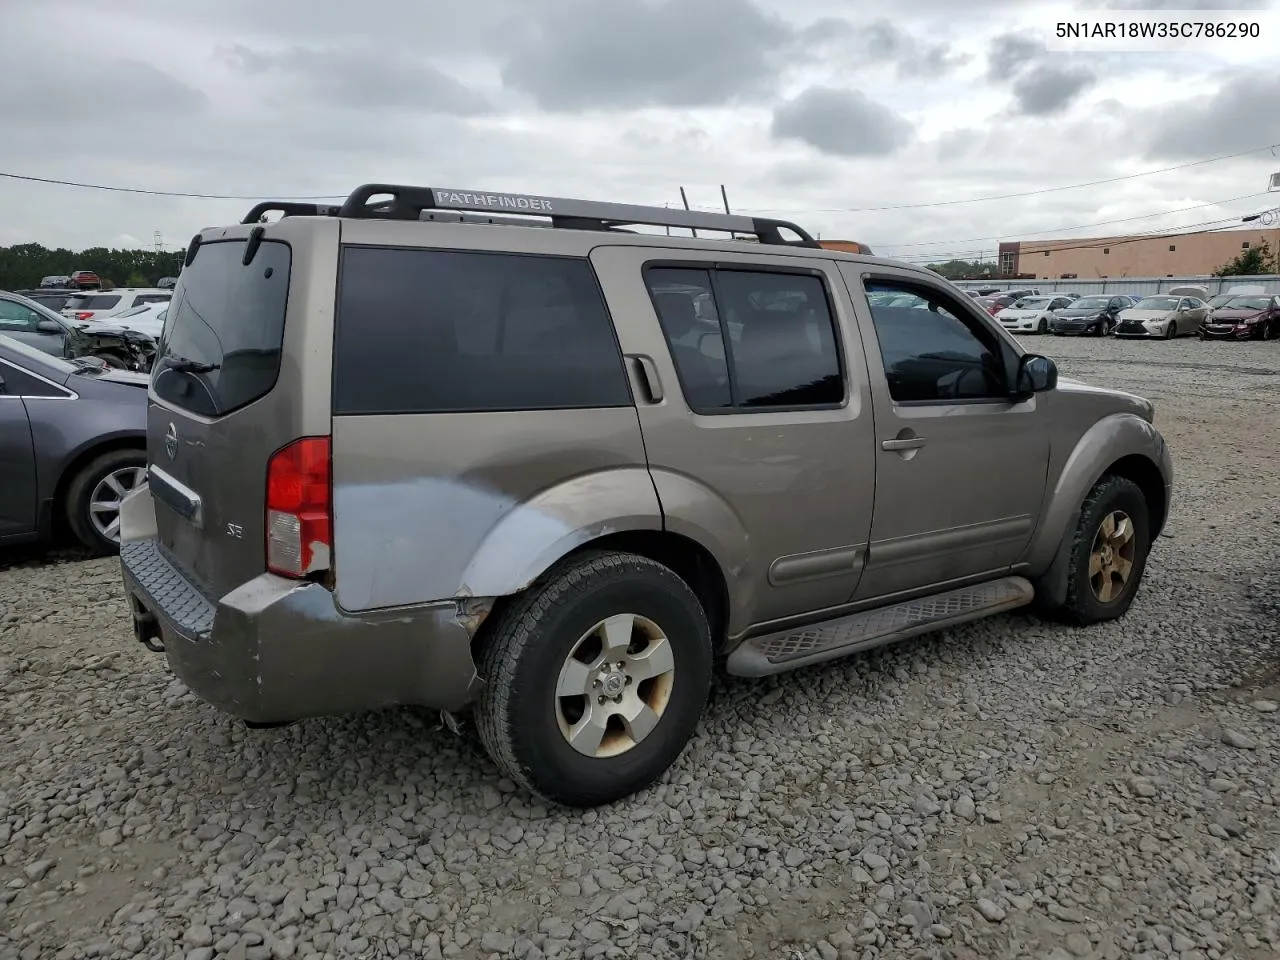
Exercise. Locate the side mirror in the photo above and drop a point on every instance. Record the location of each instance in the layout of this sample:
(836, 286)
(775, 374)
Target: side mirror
(47, 326)
(1036, 374)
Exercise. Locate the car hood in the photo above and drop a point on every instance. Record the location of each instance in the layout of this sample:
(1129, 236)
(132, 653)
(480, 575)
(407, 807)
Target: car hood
(1009, 313)
(123, 376)
(1145, 314)
(1236, 314)
(1072, 313)
(1124, 402)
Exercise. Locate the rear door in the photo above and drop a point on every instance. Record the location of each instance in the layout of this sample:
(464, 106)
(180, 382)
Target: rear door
(225, 396)
(763, 429)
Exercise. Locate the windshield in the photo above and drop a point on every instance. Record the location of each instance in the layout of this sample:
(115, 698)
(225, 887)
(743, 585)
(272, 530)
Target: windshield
(1248, 303)
(134, 311)
(228, 318)
(1221, 300)
(42, 363)
(1032, 303)
(1091, 303)
(1157, 303)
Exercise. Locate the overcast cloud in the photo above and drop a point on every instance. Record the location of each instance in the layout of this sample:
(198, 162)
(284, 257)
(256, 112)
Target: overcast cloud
(822, 111)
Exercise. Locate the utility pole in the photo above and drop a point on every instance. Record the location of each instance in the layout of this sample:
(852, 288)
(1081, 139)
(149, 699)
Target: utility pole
(158, 239)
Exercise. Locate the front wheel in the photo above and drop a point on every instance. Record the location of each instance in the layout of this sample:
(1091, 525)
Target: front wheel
(594, 678)
(1171, 330)
(1043, 326)
(114, 361)
(95, 494)
(1108, 552)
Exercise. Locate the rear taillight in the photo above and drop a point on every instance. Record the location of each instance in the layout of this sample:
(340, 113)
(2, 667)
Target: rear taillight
(84, 314)
(299, 508)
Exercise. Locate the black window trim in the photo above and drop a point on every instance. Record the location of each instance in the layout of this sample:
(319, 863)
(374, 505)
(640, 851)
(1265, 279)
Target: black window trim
(64, 393)
(623, 365)
(1008, 353)
(711, 267)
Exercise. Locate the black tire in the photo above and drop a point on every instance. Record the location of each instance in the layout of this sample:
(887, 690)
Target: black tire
(112, 360)
(1082, 606)
(1267, 331)
(1172, 330)
(81, 488)
(1043, 326)
(525, 645)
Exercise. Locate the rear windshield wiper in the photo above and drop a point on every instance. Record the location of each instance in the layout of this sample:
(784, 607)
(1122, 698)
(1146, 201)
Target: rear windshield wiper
(184, 365)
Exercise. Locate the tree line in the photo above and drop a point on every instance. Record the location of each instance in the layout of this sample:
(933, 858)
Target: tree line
(24, 265)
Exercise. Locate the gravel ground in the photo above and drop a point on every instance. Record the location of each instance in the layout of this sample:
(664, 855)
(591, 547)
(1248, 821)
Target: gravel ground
(1006, 789)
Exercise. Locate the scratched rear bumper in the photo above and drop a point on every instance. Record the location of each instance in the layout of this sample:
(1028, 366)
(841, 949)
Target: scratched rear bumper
(275, 650)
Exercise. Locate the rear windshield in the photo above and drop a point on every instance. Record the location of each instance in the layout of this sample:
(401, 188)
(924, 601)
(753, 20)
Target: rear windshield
(99, 301)
(228, 318)
(433, 331)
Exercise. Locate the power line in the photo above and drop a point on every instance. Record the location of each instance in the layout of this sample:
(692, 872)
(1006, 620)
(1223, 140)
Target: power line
(1079, 226)
(900, 206)
(151, 193)
(1014, 196)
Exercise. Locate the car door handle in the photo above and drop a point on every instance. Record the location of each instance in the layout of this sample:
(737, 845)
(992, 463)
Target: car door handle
(647, 371)
(907, 443)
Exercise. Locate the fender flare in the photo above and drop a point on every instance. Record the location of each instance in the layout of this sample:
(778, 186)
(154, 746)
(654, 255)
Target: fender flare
(1123, 439)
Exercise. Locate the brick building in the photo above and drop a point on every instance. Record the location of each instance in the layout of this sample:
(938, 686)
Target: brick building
(1185, 255)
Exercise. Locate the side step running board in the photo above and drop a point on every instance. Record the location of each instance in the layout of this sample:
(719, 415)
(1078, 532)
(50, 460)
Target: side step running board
(802, 646)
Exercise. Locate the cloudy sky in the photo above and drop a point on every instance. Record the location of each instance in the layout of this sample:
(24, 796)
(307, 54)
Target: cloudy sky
(859, 119)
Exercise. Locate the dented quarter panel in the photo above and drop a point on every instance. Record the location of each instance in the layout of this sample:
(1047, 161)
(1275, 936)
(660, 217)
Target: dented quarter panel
(1094, 427)
(437, 506)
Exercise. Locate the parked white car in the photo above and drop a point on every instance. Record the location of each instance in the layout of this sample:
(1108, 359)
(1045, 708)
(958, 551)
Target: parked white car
(1031, 314)
(146, 318)
(100, 304)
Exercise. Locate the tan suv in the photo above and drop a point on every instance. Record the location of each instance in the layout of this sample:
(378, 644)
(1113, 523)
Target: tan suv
(454, 448)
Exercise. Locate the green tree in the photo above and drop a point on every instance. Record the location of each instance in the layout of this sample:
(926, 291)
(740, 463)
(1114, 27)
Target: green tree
(23, 265)
(962, 269)
(1252, 262)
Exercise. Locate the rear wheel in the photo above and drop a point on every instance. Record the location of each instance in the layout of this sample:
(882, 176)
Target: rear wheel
(94, 496)
(595, 678)
(1108, 552)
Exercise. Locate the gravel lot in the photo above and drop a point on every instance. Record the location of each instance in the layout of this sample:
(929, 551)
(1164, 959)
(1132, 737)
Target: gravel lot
(1007, 789)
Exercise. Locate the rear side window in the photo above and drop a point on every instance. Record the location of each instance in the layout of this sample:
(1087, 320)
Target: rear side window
(743, 338)
(436, 331)
(225, 328)
(151, 298)
(96, 302)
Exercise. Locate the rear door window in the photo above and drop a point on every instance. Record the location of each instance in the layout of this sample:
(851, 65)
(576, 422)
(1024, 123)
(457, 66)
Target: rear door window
(225, 328)
(436, 331)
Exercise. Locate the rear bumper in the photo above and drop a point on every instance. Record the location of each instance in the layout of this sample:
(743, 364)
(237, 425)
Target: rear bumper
(275, 650)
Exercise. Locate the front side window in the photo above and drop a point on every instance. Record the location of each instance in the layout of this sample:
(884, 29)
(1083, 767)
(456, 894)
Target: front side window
(440, 331)
(15, 317)
(938, 354)
(748, 339)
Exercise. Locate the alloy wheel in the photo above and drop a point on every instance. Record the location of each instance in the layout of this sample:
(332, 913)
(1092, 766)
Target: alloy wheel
(104, 503)
(614, 685)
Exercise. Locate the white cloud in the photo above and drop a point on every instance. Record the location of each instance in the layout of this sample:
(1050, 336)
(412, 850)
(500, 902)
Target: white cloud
(797, 108)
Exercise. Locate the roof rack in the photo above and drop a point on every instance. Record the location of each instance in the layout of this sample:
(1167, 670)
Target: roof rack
(386, 201)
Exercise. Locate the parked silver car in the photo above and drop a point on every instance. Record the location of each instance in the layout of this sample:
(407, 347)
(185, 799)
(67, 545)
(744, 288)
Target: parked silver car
(72, 440)
(589, 462)
(1164, 316)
